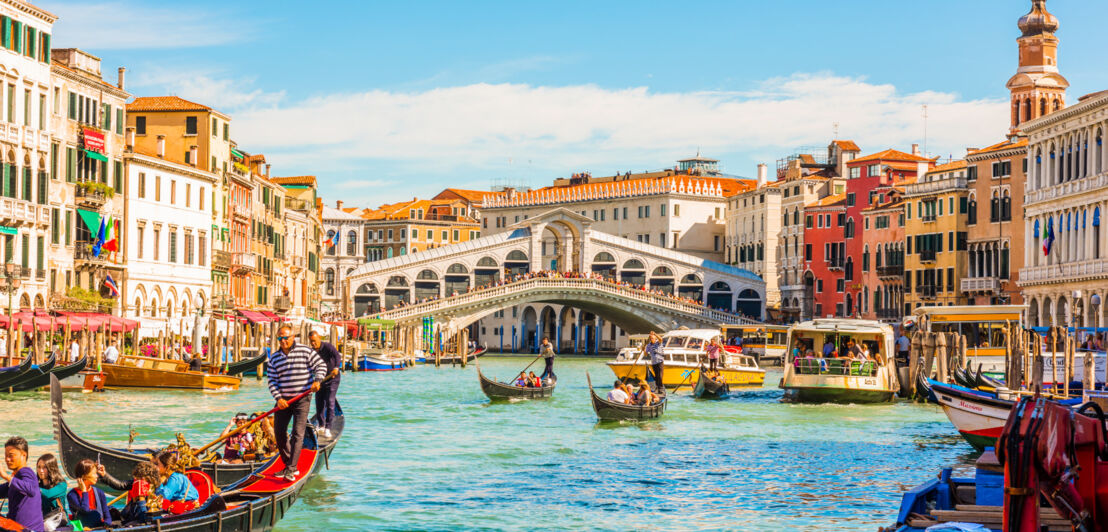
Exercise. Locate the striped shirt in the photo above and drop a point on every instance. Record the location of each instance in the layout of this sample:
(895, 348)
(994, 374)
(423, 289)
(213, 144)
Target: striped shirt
(293, 372)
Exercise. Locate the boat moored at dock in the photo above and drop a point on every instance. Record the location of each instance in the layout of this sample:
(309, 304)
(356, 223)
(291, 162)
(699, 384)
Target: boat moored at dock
(147, 372)
(684, 353)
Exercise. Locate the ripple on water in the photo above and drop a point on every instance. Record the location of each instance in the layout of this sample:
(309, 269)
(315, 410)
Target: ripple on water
(424, 449)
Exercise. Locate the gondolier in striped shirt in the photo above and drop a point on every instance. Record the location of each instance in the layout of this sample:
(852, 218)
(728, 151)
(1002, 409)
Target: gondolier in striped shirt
(292, 369)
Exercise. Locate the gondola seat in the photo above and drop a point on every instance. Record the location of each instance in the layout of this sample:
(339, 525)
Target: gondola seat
(203, 483)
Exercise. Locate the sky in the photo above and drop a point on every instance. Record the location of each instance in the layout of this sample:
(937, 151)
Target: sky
(386, 101)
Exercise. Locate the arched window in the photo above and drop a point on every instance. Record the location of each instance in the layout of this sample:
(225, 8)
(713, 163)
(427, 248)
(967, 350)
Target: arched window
(1006, 207)
(516, 256)
(994, 208)
(662, 271)
(633, 264)
(1096, 233)
(329, 278)
(351, 243)
(603, 256)
(971, 210)
(330, 242)
(397, 281)
(849, 231)
(487, 262)
(457, 268)
(427, 275)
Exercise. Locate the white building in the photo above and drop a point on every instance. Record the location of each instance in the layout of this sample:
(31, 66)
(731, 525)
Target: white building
(339, 260)
(169, 218)
(753, 224)
(28, 155)
(1065, 203)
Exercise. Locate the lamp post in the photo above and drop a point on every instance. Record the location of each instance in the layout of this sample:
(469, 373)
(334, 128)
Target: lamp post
(12, 282)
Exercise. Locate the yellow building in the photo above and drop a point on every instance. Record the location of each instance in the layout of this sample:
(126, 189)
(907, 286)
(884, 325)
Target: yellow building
(936, 212)
(417, 225)
(303, 235)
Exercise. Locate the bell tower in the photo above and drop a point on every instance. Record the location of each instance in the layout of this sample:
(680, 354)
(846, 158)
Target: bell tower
(1037, 88)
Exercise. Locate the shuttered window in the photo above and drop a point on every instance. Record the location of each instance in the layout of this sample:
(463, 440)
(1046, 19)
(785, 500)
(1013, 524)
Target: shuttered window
(71, 165)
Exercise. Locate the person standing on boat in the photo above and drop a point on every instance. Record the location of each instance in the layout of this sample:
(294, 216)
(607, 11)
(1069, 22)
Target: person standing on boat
(74, 351)
(903, 345)
(325, 402)
(547, 351)
(291, 370)
(653, 349)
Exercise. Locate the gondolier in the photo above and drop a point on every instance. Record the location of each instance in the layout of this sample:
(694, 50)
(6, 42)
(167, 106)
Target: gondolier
(653, 349)
(547, 351)
(325, 399)
(291, 370)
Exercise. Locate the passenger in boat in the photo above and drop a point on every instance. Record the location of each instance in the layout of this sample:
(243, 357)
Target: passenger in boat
(292, 370)
(326, 402)
(265, 441)
(547, 350)
(828, 347)
(653, 349)
(238, 445)
(903, 345)
(521, 380)
(74, 351)
(20, 487)
(177, 492)
(141, 499)
(111, 353)
(617, 394)
(52, 488)
(87, 502)
(644, 396)
(534, 380)
(713, 350)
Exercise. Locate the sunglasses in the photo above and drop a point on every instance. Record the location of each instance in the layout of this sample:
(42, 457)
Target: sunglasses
(283, 338)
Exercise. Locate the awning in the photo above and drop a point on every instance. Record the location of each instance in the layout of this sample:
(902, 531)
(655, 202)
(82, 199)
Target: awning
(272, 316)
(5, 230)
(95, 155)
(253, 316)
(237, 153)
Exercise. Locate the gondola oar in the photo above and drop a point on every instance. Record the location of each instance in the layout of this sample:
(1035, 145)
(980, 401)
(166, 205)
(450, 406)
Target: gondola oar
(256, 419)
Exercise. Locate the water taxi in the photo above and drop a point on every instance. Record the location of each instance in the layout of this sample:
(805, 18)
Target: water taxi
(763, 342)
(684, 353)
(146, 372)
(812, 376)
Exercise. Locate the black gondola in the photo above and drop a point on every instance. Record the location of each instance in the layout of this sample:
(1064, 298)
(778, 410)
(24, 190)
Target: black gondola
(12, 374)
(609, 411)
(29, 371)
(120, 462)
(923, 389)
(707, 388)
(33, 381)
(242, 366)
(498, 391)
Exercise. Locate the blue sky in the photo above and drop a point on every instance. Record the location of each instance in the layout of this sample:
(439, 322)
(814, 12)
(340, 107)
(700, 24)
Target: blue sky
(386, 101)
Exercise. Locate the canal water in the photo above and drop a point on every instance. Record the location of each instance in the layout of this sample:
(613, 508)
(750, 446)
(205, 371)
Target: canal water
(424, 449)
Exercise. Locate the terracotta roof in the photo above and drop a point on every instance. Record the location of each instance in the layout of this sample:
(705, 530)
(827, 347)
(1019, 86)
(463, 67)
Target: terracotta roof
(303, 180)
(256, 158)
(1003, 145)
(630, 187)
(891, 155)
(469, 195)
(847, 145)
(952, 165)
(885, 206)
(164, 103)
(829, 200)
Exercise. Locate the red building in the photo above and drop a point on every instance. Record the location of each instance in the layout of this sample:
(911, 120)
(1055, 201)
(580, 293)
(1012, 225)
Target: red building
(883, 259)
(824, 255)
(869, 180)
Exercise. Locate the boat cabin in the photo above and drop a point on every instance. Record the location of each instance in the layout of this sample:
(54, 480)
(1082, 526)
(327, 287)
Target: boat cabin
(839, 347)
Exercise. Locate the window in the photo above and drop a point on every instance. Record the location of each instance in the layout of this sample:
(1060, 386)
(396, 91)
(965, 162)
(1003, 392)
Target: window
(662, 210)
(190, 125)
(226, 131)
(140, 121)
(615, 213)
(201, 198)
(188, 248)
(188, 194)
(215, 126)
(874, 170)
(141, 244)
(715, 242)
(971, 173)
(819, 221)
(455, 235)
(807, 252)
(855, 172)
(42, 111)
(808, 221)
(202, 249)
(676, 210)
(157, 243)
(173, 192)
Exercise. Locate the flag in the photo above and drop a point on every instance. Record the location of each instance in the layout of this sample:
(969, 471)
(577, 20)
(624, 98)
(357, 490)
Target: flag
(99, 239)
(111, 243)
(333, 240)
(1048, 236)
(110, 283)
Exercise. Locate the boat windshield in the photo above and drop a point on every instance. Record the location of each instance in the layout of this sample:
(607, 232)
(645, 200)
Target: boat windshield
(636, 341)
(695, 343)
(675, 341)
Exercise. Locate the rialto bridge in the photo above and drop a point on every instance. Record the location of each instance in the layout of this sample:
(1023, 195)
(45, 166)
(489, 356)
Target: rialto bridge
(460, 284)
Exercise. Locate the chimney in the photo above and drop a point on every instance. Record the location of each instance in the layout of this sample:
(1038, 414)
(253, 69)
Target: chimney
(762, 171)
(161, 146)
(915, 149)
(338, 204)
(122, 71)
(267, 165)
(193, 155)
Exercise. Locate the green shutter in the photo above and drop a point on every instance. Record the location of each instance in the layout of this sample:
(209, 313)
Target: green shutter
(119, 121)
(42, 183)
(41, 252)
(54, 219)
(68, 224)
(71, 165)
(46, 47)
(6, 28)
(72, 106)
(17, 39)
(107, 111)
(27, 185)
(119, 177)
(32, 39)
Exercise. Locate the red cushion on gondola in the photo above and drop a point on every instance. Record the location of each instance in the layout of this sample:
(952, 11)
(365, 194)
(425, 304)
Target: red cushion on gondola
(203, 484)
(270, 483)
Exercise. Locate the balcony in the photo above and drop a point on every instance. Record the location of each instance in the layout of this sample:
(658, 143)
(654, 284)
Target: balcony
(981, 284)
(926, 291)
(282, 303)
(835, 263)
(296, 264)
(935, 187)
(82, 252)
(927, 255)
(1067, 189)
(926, 218)
(40, 274)
(1070, 271)
(89, 197)
(890, 270)
(221, 260)
(21, 213)
(19, 273)
(241, 211)
(889, 314)
(243, 263)
(297, 204)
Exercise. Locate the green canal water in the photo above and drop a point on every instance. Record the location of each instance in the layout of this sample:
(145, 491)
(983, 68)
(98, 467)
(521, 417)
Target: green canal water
(424, 449)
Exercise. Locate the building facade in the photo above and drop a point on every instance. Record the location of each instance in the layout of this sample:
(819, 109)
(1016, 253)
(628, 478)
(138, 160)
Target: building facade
(995, 176)
(824, 256)
(936, 213)
(752, 233)
(883, 259)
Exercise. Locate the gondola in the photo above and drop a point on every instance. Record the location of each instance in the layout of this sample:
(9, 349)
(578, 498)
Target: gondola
(609, 411)
(254, 503)
(499, 391)
(923, 389)
(710, 388)
(33, 381)
(455, 359)
(242, 366)
(120, 462)
(13, 373)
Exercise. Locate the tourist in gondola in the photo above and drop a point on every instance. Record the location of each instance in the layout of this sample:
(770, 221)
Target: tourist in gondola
(52, 488)
(617, 394)
(644, 397)
(653, 349)
(521, 380)
(20, 487)
(236, 447)
(326, 399)
(87, 502)
(534, 380)
(292, 369)
(547, 351)
(177, 493)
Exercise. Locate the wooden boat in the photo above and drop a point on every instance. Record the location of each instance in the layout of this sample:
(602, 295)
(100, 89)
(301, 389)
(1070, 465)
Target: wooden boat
(35, 371)
(816, 379)
(455, 359)
(502, 391)
(256, 502)
(978, 417)
(41, 380)
(390, 361)
(609, 411)
(683, 351)
(707, 388)
(120, 462)
(12, 373)
(145, 372)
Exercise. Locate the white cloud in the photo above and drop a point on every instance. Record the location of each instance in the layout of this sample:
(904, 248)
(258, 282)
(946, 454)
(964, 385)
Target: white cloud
(208, 87)
(138, 25)
(460, 132)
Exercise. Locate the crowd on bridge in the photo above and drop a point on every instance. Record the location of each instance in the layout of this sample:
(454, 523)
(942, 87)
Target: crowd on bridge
(556, 274)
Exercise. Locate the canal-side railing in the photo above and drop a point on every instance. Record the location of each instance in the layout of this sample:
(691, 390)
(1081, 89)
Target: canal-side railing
(657, 300)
